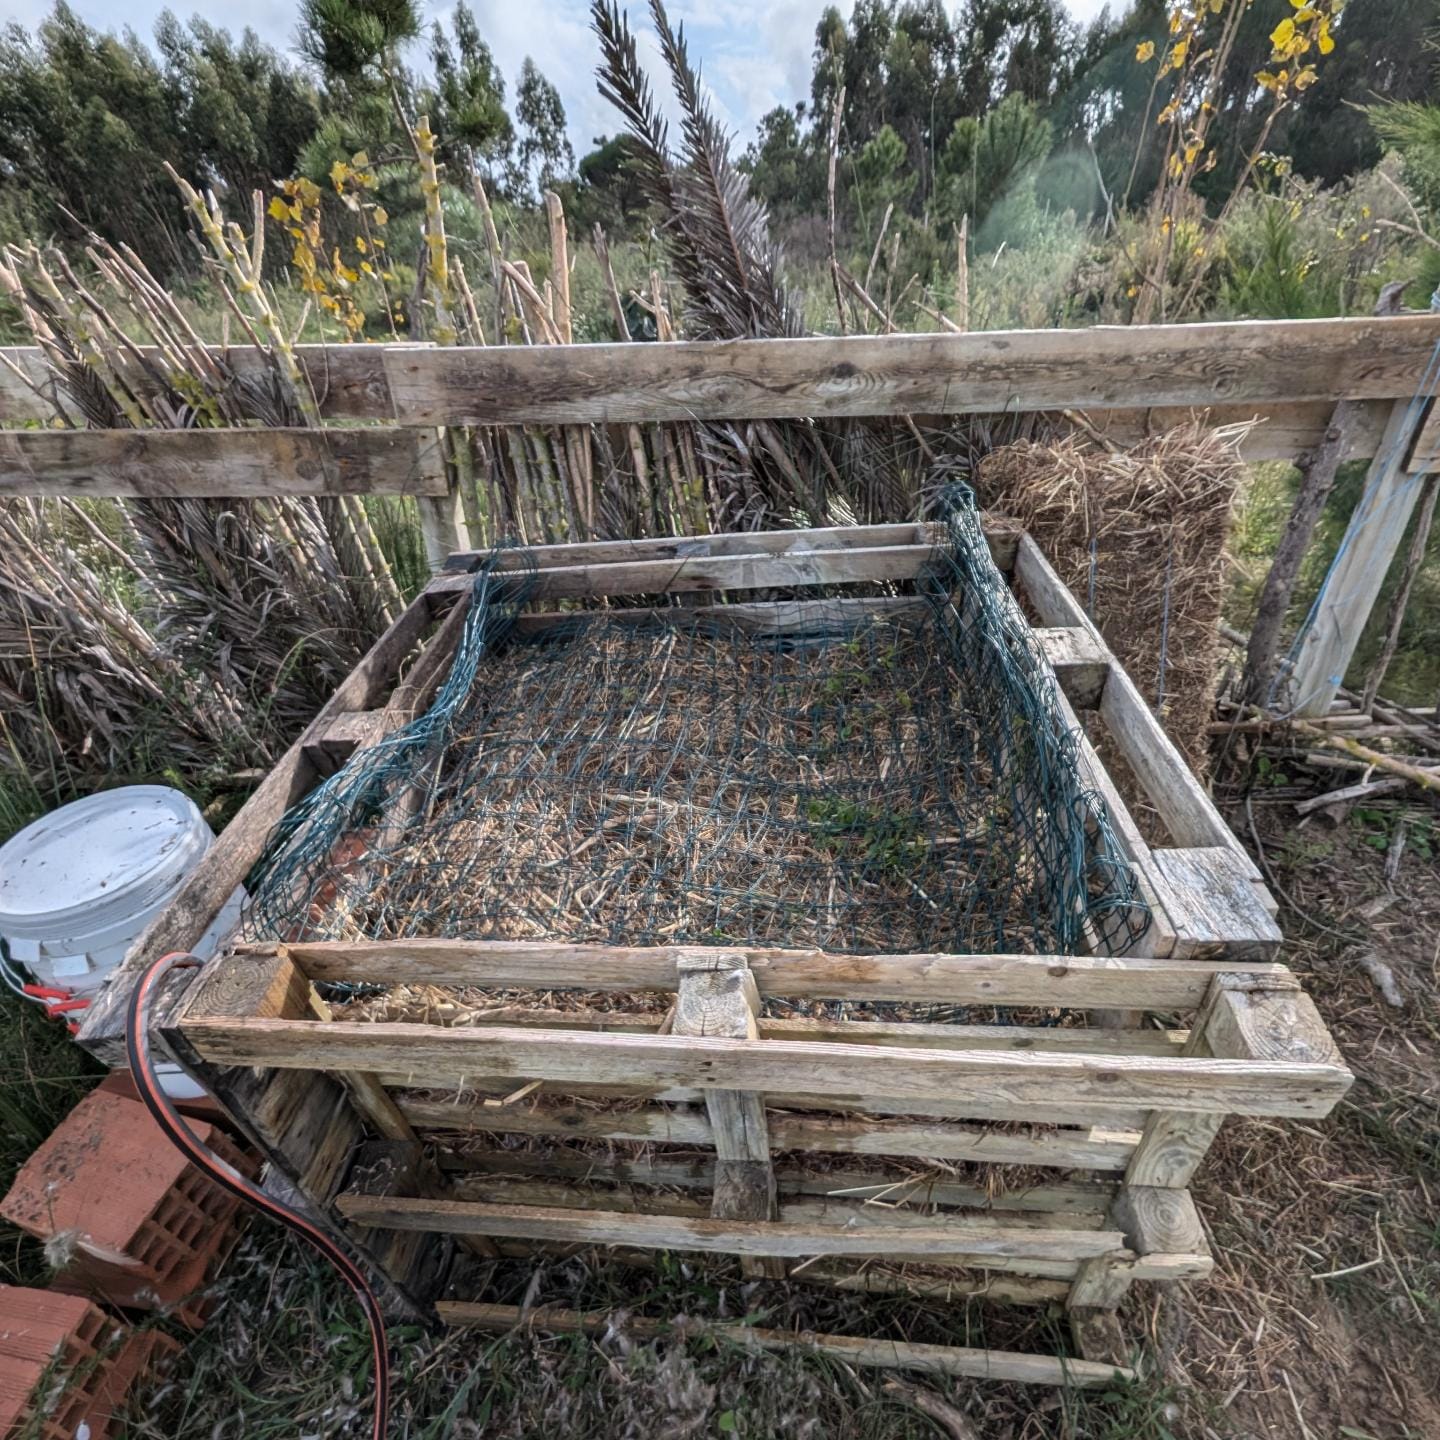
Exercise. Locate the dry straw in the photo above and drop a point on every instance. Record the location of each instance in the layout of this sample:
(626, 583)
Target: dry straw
(1140, 536)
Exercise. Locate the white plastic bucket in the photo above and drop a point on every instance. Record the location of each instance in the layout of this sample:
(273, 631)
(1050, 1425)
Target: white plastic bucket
(78, 886)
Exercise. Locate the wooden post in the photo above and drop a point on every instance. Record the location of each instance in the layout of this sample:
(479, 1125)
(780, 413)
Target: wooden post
(444, 523)
(1348, 595)
(717, 996)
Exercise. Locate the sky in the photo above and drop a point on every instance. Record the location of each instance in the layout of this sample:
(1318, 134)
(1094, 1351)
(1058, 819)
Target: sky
(753, 54)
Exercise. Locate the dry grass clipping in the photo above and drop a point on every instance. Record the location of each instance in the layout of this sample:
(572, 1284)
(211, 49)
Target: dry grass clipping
(1157, 517)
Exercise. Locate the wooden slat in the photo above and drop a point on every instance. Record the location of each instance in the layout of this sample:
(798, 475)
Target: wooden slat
(828, 1134)
(850, 1350)
(445, 1057)
(1242, 366)
(910, 1187)
(677, 547)
(1377, 525)
(1425, 452)
(1081, 662)
(1124, 1123)
(1231, 363)
(683, 575)
(792, 1237)
(1076, 982)
(940, 1036)
(226, 464)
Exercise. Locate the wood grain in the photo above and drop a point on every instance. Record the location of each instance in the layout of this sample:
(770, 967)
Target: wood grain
(224, 464)
(848, 1072)
(1075, 981)
(848, 1349)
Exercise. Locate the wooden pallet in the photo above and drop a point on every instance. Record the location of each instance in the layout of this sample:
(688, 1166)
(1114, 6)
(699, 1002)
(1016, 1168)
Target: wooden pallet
(1122, 1113)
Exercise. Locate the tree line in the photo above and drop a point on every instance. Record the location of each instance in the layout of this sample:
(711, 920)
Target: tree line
(942, 115)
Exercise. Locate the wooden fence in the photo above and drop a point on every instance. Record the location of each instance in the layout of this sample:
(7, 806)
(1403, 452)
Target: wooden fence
(1127, 382)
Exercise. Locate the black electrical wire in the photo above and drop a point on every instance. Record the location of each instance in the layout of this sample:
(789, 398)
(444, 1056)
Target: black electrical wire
(158, 1103)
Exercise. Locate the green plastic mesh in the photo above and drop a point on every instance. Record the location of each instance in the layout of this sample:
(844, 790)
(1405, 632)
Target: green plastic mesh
(886, 783)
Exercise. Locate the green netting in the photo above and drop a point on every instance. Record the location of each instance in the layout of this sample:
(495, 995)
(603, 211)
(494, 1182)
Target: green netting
(884, 783)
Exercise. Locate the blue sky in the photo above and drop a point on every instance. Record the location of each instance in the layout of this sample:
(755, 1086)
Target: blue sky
(753, 55)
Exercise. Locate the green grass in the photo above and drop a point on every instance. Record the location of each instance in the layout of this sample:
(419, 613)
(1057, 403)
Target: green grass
(43, 1074)
(286, 1354)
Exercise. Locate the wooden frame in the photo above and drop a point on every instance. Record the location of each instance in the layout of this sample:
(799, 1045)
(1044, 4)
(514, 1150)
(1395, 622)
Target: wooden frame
(1122, 1114)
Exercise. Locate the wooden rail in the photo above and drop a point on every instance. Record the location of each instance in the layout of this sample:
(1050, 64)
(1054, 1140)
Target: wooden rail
(1234, 363)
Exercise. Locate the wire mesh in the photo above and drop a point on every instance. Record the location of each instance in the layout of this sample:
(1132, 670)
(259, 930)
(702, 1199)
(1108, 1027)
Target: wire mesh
(885, 782)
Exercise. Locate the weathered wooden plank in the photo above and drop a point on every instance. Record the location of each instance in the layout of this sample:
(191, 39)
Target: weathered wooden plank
(828, 1134)
(1076, 982)
(1094, 1040)
(679, 547)
(1097, 368)
(1285, 430)
(686, 574)
(226, 464)
(892, 1187)
(1377, 525)
(1080, 660)
(790, 1237)
(1215, 904)
(196, 903)
(445, 1057)
(1241, 366)
(716, 996)
(881, 1354)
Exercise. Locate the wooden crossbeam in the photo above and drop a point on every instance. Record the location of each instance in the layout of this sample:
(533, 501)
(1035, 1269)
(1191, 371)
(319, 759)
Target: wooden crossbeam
(787, 1237)
(1071, 981)
(754, 570)
(447, 1056)
(851, 1350)
(1236, 364)
(934, 1140)
(229, 464)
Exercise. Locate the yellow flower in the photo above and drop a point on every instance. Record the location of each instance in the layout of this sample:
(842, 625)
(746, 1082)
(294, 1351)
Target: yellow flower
(338, 171)
(379, 216)
(278, 210)
(1365, 212)
(360, 160)
(1325, 40)
(1145, 51)
(1282, 34)
(1306, 78)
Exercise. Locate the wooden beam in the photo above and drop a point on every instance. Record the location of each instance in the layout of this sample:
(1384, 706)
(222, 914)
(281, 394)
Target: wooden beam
(936, 1140)
(757, 570)
(787, 1238)
(939, 1036)
(1332, 632)
(1083, 1201)
(1101, 367)
(882, 1354)
(682, 547)
(1076, 982)
(226, 464)
(1281, 430)
(716, 996)
(447, 1056)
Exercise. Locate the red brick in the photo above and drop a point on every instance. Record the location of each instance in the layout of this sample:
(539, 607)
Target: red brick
(144, 1227)
(62, 1356)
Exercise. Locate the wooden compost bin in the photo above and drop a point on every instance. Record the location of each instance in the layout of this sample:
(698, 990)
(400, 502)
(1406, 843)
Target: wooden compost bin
(1117, 1111)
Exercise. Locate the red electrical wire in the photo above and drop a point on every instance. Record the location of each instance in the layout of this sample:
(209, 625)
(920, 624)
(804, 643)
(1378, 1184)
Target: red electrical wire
(137, 1048)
